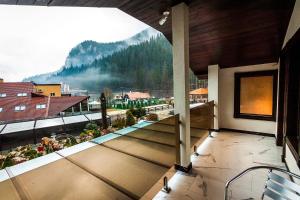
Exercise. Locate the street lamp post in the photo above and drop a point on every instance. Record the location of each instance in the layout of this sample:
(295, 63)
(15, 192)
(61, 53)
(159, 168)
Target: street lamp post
(103, 110)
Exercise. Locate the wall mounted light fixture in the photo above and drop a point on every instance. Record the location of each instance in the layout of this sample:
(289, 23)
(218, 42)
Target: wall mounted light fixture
(164, 18)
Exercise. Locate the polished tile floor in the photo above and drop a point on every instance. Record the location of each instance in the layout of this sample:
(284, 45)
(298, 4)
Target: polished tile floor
(220, 158)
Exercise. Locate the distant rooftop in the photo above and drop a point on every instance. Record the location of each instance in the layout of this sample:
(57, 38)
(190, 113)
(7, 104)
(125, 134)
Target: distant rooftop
(138, 95)
(19, 101)
(199, 91)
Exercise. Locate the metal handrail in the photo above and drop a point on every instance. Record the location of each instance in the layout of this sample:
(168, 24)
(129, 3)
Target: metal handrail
(255, 168)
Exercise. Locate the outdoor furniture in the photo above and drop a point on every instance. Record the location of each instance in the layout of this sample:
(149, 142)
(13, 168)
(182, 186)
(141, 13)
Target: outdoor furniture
(276, 187)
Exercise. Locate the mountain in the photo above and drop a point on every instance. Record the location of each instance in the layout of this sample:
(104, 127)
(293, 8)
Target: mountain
(142, 62)
(145, 66)
(88, 51)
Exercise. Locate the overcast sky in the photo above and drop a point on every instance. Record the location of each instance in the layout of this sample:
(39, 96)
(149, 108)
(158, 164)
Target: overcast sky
(36, 40)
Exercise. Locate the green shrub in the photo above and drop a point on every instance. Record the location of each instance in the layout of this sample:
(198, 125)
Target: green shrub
(138, 104)
(7, 163)
(162, 102)
(91, 126)
(69, 142)
(138, 112)
(129, 118)
(82, 134)
(132, 111)
(119, 123)
(31, 153)
(143, 112)
(39, 154)
(96, 133)
(152, 117)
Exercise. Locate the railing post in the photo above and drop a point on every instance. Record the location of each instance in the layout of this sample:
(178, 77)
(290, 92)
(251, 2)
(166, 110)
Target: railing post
(177, 139)
(80, 107)
(166, 187)
(34, 133)
(0, 142)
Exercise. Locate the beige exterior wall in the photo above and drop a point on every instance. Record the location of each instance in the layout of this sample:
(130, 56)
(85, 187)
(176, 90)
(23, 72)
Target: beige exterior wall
(213, 91)
(48, 89)
(226, 103)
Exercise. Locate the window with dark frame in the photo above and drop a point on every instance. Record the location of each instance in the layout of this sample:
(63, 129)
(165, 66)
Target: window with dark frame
(255, 95)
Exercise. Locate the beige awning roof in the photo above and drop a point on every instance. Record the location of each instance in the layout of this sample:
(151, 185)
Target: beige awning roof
(199, 91)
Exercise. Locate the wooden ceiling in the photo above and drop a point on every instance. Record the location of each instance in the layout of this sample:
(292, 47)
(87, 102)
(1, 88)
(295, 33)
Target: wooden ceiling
(226, 32)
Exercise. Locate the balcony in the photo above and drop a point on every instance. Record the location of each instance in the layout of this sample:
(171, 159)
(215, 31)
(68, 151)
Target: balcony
(222, 41)
(220, 158)
(125, 164)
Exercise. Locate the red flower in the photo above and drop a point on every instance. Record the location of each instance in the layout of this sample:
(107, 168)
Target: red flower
(40, 148)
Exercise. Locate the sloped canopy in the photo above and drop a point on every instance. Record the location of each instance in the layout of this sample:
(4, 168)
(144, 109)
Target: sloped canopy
(199, 91)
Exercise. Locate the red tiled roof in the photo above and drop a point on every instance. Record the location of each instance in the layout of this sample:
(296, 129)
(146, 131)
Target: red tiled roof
(11, 89)
(54, 105)
(8, 105)
(59, 104)
(138, 95)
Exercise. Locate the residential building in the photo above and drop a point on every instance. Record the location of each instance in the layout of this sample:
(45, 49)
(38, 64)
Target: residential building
(26, 100)
(199, 95)
(53, 90)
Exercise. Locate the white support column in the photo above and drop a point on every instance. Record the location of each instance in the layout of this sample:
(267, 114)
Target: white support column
(88, 105)
(80, 107)
(180, 35)
(213, 91)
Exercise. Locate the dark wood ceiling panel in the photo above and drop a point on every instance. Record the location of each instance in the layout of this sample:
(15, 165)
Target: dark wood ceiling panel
(9, 2)
(41, 2)
(226, 32)
(73, 3)
(150, 13)
(26, 2)
(110, 3)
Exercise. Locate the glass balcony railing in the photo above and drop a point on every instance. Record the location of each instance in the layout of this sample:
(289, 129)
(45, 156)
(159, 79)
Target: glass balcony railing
(123, 164)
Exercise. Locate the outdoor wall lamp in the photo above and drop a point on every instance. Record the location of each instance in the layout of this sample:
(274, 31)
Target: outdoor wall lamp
(164, 18)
